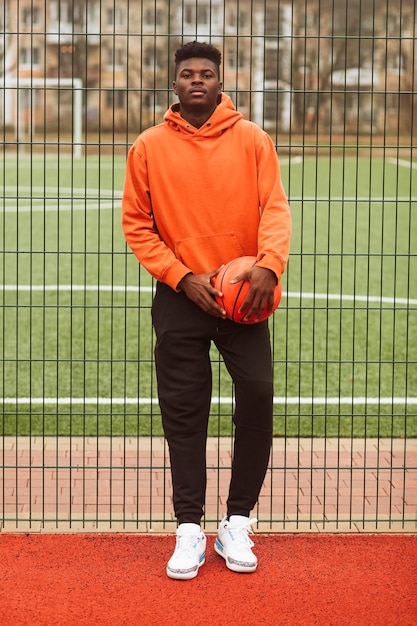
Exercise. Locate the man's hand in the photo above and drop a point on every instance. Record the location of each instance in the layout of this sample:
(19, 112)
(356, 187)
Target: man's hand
(199, 289)
(261, 291)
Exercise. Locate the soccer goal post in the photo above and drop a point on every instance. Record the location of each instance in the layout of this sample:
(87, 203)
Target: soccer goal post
(12, 85)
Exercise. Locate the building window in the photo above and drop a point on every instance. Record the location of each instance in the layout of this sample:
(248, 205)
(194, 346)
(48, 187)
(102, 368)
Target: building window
(236, 59)
(115, 17)
(242, 100)
(30, 57)
(237, 18)
(61, 11)
(31, 16)
(114, 57)
(115, 99)
(154, 101)
(153, 17)
(153, 58)
(201, 14)
(270, 109)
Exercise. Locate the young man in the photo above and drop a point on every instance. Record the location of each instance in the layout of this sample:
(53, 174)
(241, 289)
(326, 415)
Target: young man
(203, 188)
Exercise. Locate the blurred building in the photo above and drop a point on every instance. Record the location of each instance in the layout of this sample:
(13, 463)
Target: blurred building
(319, 67)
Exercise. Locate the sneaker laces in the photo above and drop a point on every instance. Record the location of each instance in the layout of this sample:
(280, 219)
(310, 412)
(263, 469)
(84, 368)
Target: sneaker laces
(187, 544)
(240, 533)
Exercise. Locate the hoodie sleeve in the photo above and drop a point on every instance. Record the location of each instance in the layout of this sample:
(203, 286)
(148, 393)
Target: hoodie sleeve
(139, 226)
(275, 224)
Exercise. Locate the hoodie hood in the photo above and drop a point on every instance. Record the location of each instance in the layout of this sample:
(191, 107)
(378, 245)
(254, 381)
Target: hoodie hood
(222, 118)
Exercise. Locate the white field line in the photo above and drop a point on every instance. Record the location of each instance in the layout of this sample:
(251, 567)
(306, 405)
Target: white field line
(59, 206)
(62, 199)
(403, 163)
(113, 164)
(121, 288)
(89, 194)
(215, 400)
(143, 289)
(80, 192)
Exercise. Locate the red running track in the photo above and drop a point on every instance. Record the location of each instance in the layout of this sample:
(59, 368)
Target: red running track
(119, 579)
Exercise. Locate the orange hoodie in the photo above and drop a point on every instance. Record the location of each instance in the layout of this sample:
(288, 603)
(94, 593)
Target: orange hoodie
(194, 199)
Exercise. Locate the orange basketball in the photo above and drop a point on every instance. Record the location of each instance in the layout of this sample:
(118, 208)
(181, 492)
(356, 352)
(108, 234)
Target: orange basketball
(234, 294)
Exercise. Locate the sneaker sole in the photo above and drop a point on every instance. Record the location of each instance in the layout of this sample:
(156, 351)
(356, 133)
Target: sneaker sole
(185, 575)
(234, 567)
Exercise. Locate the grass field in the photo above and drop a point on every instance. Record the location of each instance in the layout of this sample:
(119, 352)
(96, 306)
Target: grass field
(77, 353)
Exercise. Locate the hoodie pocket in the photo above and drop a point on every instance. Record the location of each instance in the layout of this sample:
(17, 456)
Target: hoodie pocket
(208, 252)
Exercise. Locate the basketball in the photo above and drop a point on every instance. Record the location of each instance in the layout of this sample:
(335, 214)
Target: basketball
(234, 294)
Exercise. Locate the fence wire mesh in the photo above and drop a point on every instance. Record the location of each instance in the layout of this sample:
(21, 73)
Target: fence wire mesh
(334, 84)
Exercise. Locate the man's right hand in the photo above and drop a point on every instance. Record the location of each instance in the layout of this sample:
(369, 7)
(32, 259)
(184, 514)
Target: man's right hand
(199, 289)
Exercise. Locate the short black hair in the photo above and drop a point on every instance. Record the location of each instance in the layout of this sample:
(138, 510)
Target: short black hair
(197, 49)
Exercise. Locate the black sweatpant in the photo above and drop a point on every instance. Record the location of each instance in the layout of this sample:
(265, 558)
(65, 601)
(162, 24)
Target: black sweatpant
(184, 334)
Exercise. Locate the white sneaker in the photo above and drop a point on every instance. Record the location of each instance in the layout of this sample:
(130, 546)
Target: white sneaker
(189, 553)
(234, 545)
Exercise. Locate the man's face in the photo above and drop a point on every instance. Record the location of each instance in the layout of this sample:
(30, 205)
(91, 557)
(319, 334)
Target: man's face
(197, 84)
